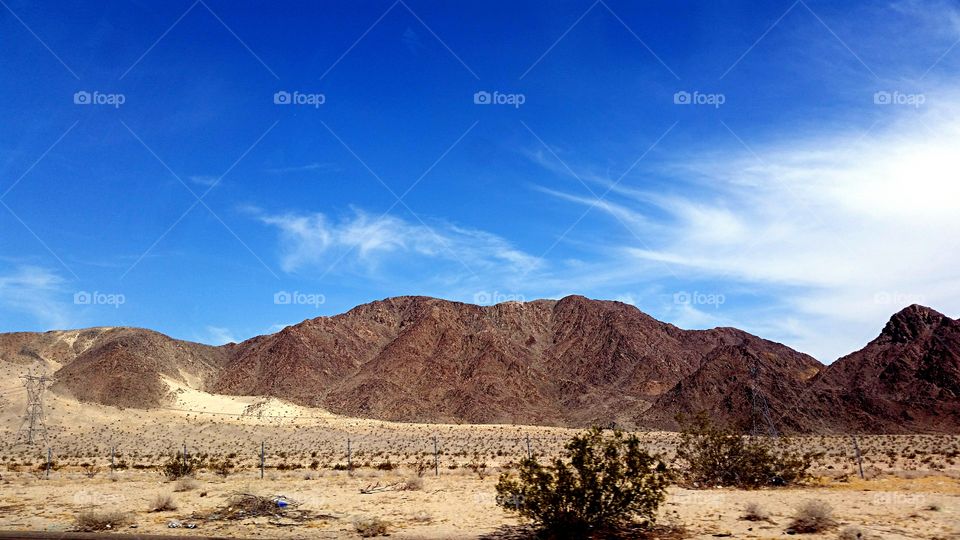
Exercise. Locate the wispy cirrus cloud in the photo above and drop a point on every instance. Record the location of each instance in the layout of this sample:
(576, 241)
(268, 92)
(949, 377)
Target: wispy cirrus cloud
(306, 167)
(364, 240)
(37, 293)
(836, 229)
(218, 335)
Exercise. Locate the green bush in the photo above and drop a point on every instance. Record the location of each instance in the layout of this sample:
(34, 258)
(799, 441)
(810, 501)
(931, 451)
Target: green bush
(178, 467)
(709, 456)
(601, 483)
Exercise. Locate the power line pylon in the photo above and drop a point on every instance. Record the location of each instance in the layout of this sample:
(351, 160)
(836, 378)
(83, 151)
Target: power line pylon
(34, 425)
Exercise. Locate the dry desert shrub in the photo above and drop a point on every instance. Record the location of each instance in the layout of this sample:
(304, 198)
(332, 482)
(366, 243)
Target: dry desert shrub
(163, 502)
(421, 466)
(414, 483)
(812, 517)
(179, 466)
(90, 520)
(90, 470)
(185, 484)
(752, 511)
(368, 527)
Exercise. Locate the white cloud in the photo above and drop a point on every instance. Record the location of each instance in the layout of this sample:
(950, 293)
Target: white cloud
(217, 335)
(313, 166)
(840, 230)
(310, 241)
(206, 180)
(37, 293)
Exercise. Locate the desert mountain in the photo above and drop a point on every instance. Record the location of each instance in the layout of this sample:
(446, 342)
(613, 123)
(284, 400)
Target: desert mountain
(122, 367)
(907, 379)
(571, 362)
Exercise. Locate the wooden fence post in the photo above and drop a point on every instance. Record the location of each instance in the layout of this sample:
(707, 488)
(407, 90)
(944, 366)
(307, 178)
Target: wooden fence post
(856, 448)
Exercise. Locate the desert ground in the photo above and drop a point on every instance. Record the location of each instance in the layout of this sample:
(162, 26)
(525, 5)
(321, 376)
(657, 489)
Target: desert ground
(911, 487)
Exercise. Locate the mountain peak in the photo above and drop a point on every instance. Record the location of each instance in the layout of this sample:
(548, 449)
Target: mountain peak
(911, 322)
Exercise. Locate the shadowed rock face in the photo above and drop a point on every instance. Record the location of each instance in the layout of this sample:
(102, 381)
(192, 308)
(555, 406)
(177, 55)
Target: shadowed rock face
(907, 379)
(572, 362)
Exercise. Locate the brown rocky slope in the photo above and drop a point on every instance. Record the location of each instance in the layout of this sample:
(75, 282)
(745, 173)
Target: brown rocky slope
(570, 362)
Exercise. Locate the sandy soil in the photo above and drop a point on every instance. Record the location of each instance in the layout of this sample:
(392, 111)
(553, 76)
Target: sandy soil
(912, 488)
(458, 505)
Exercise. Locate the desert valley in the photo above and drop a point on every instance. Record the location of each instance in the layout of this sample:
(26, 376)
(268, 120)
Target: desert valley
(403, 412)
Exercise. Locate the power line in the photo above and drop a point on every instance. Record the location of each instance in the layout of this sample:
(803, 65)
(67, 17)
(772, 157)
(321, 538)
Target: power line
(758, 402)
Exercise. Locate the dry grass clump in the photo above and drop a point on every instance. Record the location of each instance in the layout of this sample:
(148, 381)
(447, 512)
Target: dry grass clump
(414, 483)
(90, 520)
(186, 483)
(163, 502)
(368, 527)
(752, 511)
(812, 517)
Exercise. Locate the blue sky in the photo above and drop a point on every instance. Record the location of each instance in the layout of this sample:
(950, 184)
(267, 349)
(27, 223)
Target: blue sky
(217, 170)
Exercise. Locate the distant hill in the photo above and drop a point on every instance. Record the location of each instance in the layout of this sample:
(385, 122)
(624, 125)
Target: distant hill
(568, 362)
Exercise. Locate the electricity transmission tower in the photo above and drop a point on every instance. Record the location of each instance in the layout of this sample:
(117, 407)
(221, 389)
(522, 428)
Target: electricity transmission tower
(34, 425)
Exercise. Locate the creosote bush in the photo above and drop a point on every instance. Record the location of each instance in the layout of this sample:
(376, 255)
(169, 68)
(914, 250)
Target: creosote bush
(709, 456)
(178, 467)
(601, 483)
